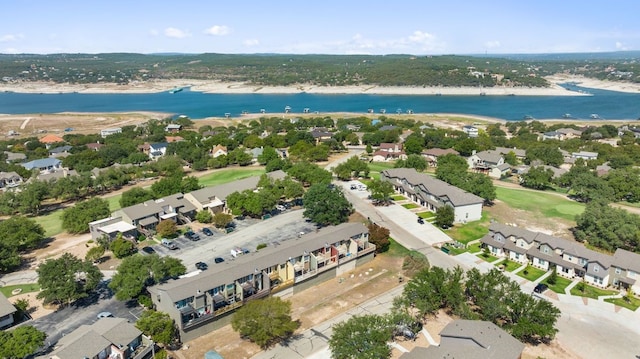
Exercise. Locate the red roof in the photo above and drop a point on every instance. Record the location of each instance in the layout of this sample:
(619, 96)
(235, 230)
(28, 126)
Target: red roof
(51, 139)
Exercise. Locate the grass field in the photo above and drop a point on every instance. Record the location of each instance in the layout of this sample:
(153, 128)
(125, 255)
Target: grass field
(398, 197)
(561, 284)
(487, 257)
(509, 266)
(475, 248)
(426, 215)
(114, 202)
(228, 175)
(631, 304)
(378, 167)
(26, 288)
(591, 291)
(465, 233)
(545, 204)
(396, 249)
(531, 274)
(52, 223)
(410, 205)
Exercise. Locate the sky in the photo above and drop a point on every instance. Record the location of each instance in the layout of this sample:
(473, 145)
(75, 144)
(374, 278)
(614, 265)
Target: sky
(376, 27)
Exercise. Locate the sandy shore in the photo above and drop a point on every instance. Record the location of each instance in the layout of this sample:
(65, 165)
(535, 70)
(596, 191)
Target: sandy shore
(243, 88)
(596, 84)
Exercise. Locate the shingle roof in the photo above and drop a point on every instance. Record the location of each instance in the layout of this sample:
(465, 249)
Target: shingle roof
(116, 330)
(142, 210)
(517, 232)
(5, 306)
(224, 273)
(41, 163)
(516, 151)
(439, 188)
(51, 139)
(490, 156)
(627, 260)
(89, 340)
(437, 152)
(60, 149)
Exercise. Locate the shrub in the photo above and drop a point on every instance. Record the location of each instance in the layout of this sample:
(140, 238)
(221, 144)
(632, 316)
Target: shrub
(260, 246)
(122, 248)
(204, 216)
(167, 228)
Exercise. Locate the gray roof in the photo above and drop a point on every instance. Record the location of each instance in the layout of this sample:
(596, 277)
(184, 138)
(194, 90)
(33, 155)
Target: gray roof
(553, 134)
(508, 231)
(5, 306)
(490, 156)
(89, 340)
(434, 186)
(516, 151)
(204, 195)
(227, 272)
(9, 175)
(116, 330)
(503, 167)
(41, 163)
(567, 131)
(626, 260)
(177, 202)
(60, 149)
(56, 175)
(142, 210)
(437, 152)
(471, 339)
(15, 156)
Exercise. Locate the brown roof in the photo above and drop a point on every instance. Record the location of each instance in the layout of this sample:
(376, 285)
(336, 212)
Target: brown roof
(51, 139)
(437, 152)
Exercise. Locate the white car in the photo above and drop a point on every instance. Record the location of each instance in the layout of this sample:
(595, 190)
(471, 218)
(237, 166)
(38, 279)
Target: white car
(105, 315)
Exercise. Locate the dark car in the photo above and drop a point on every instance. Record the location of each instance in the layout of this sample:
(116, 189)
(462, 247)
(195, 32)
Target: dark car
(218, 259)
(202, 266)
(192, 235)
(207, 231)
(420, 220)
(540, 288)
(148, 250)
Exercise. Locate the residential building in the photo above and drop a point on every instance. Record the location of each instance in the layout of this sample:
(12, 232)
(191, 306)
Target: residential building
(626, 270)
(144, 216)
(94, 146)
(157, 150)
(173, 128)
(471, 131)
(61, 173)
(490, 162)
(43, 165)
(569, 133)
(112, 226)
(15, 156)
(9, 180)
(389, 152)
(51, 139)
(219, 150)
(519, 153)
(107, 338)
(433, 193)
(321, 134)
(198, 303)
(471, 339)
(585, 155)
(432, 154)
(214, 198)
(552, 135)
(110, 131)
(61, 151)
(7, 311)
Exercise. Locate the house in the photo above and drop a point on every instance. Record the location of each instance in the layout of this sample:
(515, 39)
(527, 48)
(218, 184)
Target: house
(61, 173)
(112, 226)
(519, 153)
(214, 198)
(520, 170)
(15, 156)
(43, 165)
(552, 135)
(176, 206)
(388, 128)
(94, 146)
(106, 338)
(626, 270)
(157, 150)
(633, 129)
(471, 131)
(173, 128)
(255, 153)
(202, 303)
(432, 154)
(50, 139)
(389, 152)
(144, 216)
(7, 311)
(433, 193)
(110, 131)
(603, 169)
(569, 133)
(470, 339)
(321, 134)
(490, 162)
(9, 180)
(144, 148)
(585, 155)
(219, 150)
(62, 151)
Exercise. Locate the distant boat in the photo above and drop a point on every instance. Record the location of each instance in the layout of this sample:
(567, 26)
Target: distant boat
(566, 115)
(287, 109)
(410, 112)
(594, 116)
(305, 110)
(399, 111)
(382, 110)
(176, 89)
(528, 117)
(370, 110)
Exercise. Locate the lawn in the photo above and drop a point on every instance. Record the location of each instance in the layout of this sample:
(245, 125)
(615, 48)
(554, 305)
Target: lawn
(114, 202)
(509, 266)
(561, 284)
(426, 215)
(465, 233)
(545, 204)
(455, 251)
(396, 249)
(398, 197)
(51, 222)
(228, 175)
(380, 166)
(475, 248)
(26, 288)
(487, 257)
(591, 291)
(410, 205)
(531, 273)
(632, 304)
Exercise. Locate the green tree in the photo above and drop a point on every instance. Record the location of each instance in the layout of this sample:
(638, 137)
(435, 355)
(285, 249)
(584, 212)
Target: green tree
(134, 196)
(414, 262)
(309, 173)
(167, 186)
(379, 236)
(221, 220)
(264, 321)
(445, 216)
(21, 233)
(414, 144)
(76, 219)
(166, 228)
(157, 325)
(135, 273)
(94, 254)
(67, 279)
(204, 216)
(21, 342)
(122, 248)
(361, 337)
(537, 178)
(452, 169)
(268, 154)
(381, 191)
(326, 204)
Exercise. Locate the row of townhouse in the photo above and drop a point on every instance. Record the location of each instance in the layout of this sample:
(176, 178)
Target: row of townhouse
(571, 259)
(433, 193)
(202, 303)
(182, 208)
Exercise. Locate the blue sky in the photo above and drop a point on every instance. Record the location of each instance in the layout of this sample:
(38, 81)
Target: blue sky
(322, 27)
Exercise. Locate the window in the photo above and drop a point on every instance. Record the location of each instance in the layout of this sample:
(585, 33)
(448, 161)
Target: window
(542, 262)
(618, 270)
(596, 268)
(545, 249)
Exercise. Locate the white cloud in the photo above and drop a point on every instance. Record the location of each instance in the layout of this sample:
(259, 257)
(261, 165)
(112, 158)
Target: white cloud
(251, 42)
(176, 33)
(621, 46)
(11, 37)
(154, 32)
(217, 30)
(493, 44)
(10, 50)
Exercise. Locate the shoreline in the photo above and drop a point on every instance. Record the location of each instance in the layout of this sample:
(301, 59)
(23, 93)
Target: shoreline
(215, 87)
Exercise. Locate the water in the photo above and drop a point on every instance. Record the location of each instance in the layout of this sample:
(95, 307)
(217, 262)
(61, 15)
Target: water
(606, 104)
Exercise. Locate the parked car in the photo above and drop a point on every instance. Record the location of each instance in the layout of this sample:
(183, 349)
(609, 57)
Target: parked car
(192, 235)
(420, 220)
(202, 266)
(207, 231)
(353, 187)
(168, 243)
(148, 250)
(104, 315)
(540, 288)
(281, 208)
(218, 259)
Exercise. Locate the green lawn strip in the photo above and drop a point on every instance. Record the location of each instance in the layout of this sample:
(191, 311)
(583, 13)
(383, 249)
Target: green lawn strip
(398, 197)
(487, 257)
(114, 202)
(531, 273)
(548, 205)
(426, 215)
(228, 175)
(455, 251)
(591, 291)
(468, 232)
(561, 284)
(26, 288)
(410, 205)
(51, 222)
(396, 249)
(380, 166)
(508, 265)
(630, 303)
(475, 248)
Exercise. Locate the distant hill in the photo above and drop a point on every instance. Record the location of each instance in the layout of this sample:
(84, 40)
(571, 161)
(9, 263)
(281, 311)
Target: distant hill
(323, 70)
